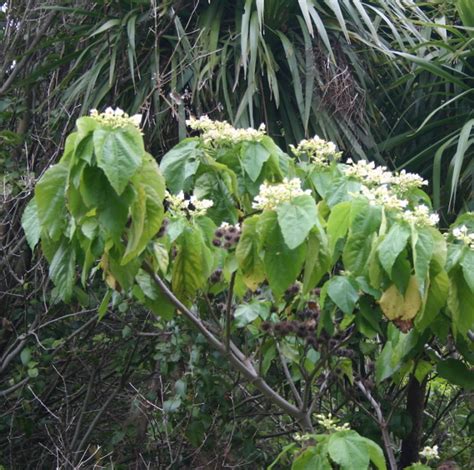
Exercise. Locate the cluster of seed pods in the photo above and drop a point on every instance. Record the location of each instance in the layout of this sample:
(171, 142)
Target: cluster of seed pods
(227, 236)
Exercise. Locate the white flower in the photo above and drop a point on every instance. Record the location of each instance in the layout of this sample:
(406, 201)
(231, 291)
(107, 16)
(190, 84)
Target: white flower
(200, 205)
(406, 181)
(271, 195)
(221, 132)
(116, 118)
(462, 234)
(178, 204)
(318, 150)
(383, 196)
(136, 119)
(301, 437)
(330, 424)
(226, 226)
(368, 173)
(420, 216)
(430, 452)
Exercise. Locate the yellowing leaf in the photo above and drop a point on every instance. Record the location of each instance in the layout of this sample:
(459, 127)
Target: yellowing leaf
(412, 301)
(391, 303)
(395, 306)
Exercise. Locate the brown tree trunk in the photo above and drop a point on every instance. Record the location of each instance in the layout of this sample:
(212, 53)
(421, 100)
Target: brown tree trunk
(415, 407)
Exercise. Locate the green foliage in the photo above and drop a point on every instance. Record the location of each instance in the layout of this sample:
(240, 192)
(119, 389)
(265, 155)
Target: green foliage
(346, 449)
(82, 204)
(386, 82)
(271, 253)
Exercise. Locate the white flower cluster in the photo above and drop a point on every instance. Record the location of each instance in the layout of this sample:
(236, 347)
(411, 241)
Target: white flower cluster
(404, 181)
(116, 118)
(372, 175)
(271, 195)
(368, 173)
(383, 188)
(430, 453)
(330, 424)
(462, 234)
(227, 226)
(318, 150)
(221, 132)
(301, 437)
(193, 206)
(420, 216)
(383, 196)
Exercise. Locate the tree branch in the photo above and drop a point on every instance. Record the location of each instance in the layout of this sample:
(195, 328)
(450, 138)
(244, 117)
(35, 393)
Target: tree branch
(235, 356)
(382, 424)
(288, 377)
(228, 311)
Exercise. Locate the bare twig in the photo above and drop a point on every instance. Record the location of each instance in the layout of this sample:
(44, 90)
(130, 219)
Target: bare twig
(228, 312)
(288, 377)
(382, 425)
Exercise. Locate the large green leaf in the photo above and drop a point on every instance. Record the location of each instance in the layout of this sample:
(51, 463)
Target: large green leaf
(460, 302)
(147, 208)
(282, 265)
(253, 155)
(296, 218)
(180, 163)
(467, 264)
(375, 453)
(191, 267)
(422, 248)
(348, 450)
(119, 153)
(392, 245)
(31, 224)
(384, 367)
(457, 373)
(364, 222)
(111, 209)
(318, 260)
(437, 295)
(343, 292)
(62, 269)
(248, 254)
(50, 200)
(338, 223)
(312, 459)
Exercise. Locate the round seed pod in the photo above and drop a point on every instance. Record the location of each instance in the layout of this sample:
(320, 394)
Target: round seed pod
(302, 331)
(279, 329)
(216, 276)
(228, 237)
(216, 242)
(227, 245)
(285, 327)
(232, 229)
(219, 233)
